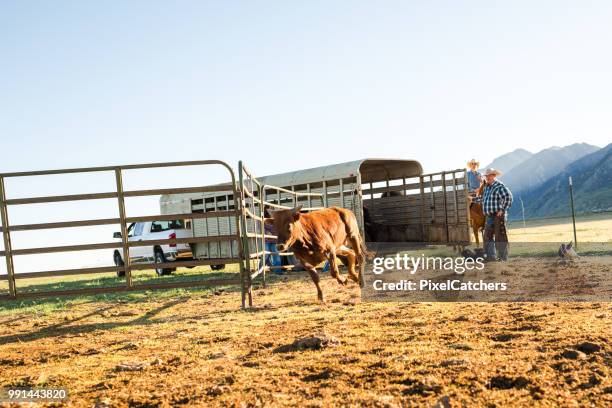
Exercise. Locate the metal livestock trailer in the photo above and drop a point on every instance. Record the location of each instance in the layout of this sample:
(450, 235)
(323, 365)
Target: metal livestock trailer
(392, 199)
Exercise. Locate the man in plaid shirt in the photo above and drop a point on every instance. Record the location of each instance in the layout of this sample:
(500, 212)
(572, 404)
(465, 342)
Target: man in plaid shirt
(496, 200)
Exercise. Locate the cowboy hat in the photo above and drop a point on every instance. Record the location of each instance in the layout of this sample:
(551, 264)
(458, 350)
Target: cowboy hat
(473, 161)
(492, 171)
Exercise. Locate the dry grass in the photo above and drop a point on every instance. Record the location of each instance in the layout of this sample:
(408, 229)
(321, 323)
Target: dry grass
(201, 350)
(591, 228)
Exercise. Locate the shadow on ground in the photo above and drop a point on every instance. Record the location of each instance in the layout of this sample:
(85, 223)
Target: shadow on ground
(58, 302)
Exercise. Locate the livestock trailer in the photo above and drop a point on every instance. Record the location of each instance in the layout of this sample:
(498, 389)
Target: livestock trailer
(392, 199)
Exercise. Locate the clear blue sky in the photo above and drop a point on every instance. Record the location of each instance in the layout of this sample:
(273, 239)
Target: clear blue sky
(289, 85)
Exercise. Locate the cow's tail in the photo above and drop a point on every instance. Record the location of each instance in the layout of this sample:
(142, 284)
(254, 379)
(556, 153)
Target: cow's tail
(353, 236)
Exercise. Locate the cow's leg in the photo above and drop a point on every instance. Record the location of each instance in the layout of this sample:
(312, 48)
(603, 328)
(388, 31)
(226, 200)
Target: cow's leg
(475, 229)
(349, 258)
(314, 275)
(333, 268)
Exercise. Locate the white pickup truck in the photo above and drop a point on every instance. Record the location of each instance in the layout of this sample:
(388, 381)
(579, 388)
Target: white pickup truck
(156, 230)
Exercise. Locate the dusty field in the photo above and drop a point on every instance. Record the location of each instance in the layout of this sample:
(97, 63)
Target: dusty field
(172, 348)
(199, 349)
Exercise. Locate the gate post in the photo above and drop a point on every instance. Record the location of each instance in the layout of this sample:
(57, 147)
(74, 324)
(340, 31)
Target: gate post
(359, 215)
(245, 281)
(7, 241)
(445, 206)
(422, 198)
(124, 237)
(262, 215)
(325, 194)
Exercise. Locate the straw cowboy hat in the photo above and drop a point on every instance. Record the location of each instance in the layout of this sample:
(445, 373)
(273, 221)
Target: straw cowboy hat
(473, 161)
(492, 171)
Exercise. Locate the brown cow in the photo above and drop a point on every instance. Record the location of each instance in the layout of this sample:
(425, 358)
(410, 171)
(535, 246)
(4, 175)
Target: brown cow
(321, 235)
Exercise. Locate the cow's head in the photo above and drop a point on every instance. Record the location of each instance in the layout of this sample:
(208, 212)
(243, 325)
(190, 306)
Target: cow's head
(284, 224)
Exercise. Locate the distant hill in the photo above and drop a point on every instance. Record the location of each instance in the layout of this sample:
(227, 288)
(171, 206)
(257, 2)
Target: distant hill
(508, 161)
(591, 176)
(543, 165)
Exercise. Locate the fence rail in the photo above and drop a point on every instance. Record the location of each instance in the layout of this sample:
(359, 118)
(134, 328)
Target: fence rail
(123, 220)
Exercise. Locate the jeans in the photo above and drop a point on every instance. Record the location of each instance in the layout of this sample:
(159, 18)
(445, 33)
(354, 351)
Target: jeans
(273, 259)
(496, 238)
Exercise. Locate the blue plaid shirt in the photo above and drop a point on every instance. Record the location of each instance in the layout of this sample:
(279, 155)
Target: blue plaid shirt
(495, 197)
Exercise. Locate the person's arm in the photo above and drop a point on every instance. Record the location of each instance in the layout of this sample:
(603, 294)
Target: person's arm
(505, 195)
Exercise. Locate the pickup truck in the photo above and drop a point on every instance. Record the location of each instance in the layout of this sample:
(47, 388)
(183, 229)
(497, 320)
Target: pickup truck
(155, 230)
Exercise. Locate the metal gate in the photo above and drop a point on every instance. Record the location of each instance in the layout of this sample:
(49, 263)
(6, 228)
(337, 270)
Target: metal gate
(248, 232)
(255, 197)
(14, 290)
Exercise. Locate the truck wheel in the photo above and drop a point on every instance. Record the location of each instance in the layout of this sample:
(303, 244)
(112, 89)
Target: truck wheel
(160, 258)
(119, 262)
(217, 267)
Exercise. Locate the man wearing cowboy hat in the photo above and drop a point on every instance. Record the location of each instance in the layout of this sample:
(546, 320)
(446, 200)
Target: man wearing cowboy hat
(473, 176)
(496, 200)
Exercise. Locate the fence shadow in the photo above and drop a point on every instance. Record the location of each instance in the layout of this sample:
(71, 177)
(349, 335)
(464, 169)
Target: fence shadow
(119, 296)
(66, 327)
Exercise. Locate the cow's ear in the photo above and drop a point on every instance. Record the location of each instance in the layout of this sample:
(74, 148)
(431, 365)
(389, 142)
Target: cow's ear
(296, 212)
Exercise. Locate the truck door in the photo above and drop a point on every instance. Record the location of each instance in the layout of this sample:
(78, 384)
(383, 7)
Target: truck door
(135, 233)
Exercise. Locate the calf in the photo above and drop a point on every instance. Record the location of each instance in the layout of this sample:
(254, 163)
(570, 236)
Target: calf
(321, 235)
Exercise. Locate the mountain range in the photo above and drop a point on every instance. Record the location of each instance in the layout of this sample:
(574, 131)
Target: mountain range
(592, 185)
(541, 179)
(539, 167)
(508, 161)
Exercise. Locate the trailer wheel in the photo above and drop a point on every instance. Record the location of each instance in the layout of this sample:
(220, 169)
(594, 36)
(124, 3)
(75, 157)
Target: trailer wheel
(118, 262)
(217, 267)
(160, 258)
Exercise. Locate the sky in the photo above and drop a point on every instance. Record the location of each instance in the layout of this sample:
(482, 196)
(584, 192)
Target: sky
(290, 85)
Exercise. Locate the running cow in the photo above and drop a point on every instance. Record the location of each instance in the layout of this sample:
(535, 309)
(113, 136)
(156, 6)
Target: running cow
(321, 235)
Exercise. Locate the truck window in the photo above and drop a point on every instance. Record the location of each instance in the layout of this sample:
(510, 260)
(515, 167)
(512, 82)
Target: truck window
(160, 226)
(138, 229)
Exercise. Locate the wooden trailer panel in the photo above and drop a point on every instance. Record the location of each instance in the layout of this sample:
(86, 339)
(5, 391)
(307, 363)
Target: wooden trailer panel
(432, 209)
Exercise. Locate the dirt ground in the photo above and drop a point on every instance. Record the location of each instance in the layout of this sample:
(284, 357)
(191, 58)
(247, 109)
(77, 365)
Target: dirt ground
(200, 349)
